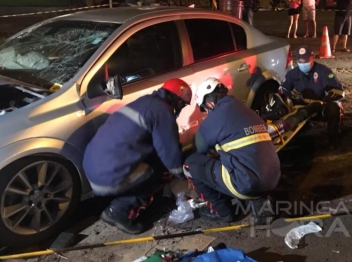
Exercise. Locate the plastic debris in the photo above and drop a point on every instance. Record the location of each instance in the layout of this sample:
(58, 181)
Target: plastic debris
(336, 251)
(183, 212)
(294, 236)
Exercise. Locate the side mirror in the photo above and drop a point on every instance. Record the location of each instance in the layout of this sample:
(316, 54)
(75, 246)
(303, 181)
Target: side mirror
(111, 87)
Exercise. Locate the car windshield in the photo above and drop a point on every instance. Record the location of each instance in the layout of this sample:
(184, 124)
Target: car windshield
(52, 54)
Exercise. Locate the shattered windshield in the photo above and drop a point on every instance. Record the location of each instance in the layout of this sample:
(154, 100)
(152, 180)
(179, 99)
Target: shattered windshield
(53, 53)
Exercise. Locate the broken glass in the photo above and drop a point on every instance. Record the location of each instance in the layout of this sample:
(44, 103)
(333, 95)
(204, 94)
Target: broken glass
(52, 53)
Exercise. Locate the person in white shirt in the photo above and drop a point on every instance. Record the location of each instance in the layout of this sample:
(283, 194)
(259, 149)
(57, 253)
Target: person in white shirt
(309, 14)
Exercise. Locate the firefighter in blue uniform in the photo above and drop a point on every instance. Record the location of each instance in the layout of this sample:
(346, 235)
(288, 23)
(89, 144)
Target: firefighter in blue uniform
(310, 82)
(247, 167)
(133, 149)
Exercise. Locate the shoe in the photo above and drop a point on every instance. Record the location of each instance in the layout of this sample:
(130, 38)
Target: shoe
(346, 50)
(314, 36)
(206, 213)
(294, 36)
(262, 211)
(126, 225)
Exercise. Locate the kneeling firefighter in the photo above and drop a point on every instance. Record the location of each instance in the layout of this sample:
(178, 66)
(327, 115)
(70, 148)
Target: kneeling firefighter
(247, 167)
(133, 149)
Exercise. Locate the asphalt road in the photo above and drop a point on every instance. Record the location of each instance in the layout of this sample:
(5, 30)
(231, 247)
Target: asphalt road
(310, 174)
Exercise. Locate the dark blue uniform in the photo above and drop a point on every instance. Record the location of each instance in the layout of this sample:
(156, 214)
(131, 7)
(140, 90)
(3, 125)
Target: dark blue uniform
(319, 84)
(138, 141)
(248, 166)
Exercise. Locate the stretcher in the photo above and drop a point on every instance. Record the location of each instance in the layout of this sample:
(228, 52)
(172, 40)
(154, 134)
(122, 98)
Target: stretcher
(284, 138)
(281, 142)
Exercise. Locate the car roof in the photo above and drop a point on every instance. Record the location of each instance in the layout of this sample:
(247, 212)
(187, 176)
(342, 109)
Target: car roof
(122, 14)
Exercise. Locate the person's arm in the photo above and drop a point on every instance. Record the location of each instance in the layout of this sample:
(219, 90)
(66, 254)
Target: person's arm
(333, 88)
(166, 141)
(286, 86)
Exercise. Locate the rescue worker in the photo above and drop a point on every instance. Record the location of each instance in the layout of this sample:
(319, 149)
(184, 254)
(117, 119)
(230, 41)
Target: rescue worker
(133, 149)
(310, 82)
(248, 166)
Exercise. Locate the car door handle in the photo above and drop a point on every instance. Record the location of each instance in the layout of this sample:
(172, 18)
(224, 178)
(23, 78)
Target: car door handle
(244, 67)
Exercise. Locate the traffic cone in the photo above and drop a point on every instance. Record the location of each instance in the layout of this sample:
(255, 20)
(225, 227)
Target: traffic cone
(325, 50)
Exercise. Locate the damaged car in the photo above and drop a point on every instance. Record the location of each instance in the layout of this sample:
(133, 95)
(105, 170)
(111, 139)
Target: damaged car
(60, 79)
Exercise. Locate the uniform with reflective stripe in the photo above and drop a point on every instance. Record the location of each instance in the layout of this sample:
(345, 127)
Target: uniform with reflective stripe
(319, 84)
(320, 81)
(129, 137)
(249, 165)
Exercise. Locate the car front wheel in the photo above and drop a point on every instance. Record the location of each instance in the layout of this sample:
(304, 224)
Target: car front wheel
(38, 195)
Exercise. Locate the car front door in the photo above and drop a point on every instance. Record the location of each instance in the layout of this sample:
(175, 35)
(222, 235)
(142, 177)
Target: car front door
(149, 56)
(219, 50)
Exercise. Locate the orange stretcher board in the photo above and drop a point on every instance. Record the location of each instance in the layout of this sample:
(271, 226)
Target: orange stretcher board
(287, 137)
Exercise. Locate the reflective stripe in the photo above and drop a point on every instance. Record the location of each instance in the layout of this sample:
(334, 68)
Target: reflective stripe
(141, 173)
(227, 180)
(176, 170)
(134, 116)
(245, 141)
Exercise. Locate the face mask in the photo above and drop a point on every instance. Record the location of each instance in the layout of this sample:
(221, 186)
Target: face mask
(304, 67)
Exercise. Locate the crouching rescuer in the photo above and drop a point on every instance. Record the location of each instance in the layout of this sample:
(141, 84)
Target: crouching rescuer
(246, 165)
(133, 149)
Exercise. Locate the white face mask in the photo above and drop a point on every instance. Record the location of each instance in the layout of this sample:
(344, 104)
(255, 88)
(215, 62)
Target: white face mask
(305, 67)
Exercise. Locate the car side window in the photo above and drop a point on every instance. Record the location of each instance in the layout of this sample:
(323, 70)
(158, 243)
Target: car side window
(209, 38)
(152, 50)
(240, 37)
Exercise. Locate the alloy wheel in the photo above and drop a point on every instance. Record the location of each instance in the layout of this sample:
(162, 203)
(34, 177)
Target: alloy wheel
(36, 197)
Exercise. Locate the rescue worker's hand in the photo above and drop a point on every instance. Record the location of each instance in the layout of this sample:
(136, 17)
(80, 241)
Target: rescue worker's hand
(295, 95)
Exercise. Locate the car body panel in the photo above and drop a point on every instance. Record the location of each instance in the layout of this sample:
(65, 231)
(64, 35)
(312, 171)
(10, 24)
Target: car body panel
(69, 115)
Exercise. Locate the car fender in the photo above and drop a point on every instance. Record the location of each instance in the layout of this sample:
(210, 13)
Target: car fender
(262, 79)
(45, 146)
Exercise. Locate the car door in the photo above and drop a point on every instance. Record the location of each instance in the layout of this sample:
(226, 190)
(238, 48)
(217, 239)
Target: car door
(144, 58)
(219, 50)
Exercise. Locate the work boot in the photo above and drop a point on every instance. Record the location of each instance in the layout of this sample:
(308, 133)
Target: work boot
(262, 211)
(207, 214)
(126, 225)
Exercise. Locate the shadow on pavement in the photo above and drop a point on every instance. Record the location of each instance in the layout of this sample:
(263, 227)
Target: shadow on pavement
(263, 256)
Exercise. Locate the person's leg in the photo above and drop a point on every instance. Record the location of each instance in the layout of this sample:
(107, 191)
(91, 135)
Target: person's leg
(344, 42)
(346, 31)
(305, 18)
(334, 42)
(136, 195)
(332, 113)
(250, 16)
(290, 26)
(245, 14)
(200, 171)
(295, 25)
(313, 21)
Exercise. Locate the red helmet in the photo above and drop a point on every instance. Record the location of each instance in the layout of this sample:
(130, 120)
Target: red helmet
(179, 88)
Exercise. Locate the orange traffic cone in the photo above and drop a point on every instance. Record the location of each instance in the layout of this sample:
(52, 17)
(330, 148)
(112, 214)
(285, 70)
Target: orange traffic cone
(325, 50)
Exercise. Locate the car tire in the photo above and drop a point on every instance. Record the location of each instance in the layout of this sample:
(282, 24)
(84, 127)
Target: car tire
(38, 196)
(263, 96)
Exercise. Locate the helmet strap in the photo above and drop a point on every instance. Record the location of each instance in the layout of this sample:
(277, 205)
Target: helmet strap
(214, 97)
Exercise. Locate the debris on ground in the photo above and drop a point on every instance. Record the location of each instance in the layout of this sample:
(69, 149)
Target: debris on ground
(294, 236)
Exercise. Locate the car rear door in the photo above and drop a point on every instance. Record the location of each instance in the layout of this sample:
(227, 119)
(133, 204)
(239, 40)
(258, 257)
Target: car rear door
(220, 50)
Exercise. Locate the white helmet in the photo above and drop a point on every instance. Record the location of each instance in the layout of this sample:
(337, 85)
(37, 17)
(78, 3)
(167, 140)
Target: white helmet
(205, 88)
